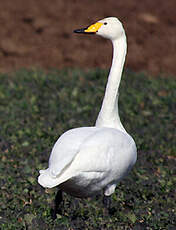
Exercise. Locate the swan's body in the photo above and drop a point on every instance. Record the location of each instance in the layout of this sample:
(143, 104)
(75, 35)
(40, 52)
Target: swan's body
(86, 160)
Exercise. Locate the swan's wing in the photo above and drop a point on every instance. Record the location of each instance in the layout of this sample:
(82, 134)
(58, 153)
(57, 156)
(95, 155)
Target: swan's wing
(66, 148)
(63, 153)
(58, 165)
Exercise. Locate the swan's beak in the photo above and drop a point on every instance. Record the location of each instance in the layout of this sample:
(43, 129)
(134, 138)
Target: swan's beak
(92, 29)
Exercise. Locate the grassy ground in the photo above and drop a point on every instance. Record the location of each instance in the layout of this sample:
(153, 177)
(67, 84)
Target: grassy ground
(35, 108)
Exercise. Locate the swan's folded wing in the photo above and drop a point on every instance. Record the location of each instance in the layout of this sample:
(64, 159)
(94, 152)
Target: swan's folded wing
(66, 149)
(58, 164)
(50, 177)
(63, 153)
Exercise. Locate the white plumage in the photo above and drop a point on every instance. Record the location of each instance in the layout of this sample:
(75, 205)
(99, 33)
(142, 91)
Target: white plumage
(86, 160)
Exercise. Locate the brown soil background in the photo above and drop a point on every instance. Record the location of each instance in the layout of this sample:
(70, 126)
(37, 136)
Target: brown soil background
(38, 33)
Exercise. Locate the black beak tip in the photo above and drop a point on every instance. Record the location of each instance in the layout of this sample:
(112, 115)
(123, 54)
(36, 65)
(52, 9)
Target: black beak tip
(81, 31)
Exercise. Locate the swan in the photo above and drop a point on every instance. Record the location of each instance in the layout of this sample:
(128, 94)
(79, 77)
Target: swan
(86, 160)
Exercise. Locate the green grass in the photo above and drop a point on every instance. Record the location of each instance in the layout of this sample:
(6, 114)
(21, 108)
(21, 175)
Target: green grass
(36, 107)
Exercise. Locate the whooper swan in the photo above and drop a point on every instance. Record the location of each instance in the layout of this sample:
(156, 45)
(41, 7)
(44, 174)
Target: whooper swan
(86, 160)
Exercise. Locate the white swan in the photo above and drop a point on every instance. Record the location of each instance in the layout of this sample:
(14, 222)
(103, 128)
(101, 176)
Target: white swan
(87, 160)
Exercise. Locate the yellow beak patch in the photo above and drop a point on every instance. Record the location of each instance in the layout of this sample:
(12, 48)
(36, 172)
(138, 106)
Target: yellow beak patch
(93, 28)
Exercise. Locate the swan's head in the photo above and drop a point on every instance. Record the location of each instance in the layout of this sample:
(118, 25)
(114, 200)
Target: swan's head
(110, 28)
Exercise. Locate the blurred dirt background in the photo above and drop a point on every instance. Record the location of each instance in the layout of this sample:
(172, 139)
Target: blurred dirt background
(38, 33)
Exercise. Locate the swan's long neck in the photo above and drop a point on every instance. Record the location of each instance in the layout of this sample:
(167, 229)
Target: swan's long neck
(109, 114)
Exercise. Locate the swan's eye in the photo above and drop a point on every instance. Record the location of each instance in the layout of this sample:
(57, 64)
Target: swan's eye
(105, 23)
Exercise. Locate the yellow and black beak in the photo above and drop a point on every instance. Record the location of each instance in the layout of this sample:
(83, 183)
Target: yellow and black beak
(92, 29)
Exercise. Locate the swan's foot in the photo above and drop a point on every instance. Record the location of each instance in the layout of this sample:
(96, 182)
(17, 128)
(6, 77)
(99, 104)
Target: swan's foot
(57, 205)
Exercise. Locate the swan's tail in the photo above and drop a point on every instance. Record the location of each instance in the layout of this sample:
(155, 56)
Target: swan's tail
(47, 180)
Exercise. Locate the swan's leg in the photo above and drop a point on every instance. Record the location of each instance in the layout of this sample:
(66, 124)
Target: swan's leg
(107, 202)
(57, 201)
(109, 190)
